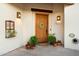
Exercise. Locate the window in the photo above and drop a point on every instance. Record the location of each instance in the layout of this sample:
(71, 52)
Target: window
(9, 29)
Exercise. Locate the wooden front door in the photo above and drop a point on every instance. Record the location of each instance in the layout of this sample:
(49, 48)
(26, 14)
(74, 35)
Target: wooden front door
(41, 27)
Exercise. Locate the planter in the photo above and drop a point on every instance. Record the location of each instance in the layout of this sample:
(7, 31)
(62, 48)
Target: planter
(28, 46)
(51, 39)
(55, 45)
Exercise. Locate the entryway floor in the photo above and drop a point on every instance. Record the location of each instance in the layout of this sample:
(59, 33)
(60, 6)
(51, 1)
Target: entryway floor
(43, 51)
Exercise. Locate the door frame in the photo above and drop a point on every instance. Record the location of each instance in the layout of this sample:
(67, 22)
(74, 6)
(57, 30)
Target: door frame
(41, 13)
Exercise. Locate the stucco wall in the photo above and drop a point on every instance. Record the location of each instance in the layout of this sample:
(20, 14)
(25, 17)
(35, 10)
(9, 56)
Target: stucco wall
(58, 28)
(29, 20)
(8, 12)
(71, 25)
(25, 27)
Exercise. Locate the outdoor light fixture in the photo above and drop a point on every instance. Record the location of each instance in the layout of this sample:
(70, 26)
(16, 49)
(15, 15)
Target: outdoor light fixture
(19, 15)
(58, 19)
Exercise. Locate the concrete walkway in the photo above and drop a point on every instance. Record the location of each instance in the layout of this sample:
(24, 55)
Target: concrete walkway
(43, 51)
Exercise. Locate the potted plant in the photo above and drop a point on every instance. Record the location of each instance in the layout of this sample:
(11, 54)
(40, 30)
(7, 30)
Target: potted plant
(51, 39)
(28, 46)
(32, 42)
(59, 43)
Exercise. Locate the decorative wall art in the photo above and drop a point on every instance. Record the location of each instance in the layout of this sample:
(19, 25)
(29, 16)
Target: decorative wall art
(10, 29)
(71, 35)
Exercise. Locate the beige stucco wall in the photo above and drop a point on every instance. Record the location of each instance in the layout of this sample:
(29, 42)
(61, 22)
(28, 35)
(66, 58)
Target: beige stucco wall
(29, 20)
(71, 25)
(8, 12)
(25, 27)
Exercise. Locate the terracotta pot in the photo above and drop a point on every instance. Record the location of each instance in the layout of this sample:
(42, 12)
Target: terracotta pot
(55, 44)
(59, 44)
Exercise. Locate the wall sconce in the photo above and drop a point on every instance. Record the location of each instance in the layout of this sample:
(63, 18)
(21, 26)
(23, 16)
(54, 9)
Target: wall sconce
(58, 19)
(19, 15)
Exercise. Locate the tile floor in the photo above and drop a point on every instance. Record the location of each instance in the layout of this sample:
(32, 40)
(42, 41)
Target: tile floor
(43, 51)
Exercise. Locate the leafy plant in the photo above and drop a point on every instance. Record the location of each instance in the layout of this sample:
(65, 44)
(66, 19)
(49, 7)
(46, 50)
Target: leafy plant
(33, 41)
(51, 39)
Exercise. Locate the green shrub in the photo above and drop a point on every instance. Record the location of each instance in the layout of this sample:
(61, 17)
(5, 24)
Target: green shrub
(33, 40)
(51, 39)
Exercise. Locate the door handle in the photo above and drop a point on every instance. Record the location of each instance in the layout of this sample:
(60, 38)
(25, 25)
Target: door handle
(46, 31)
